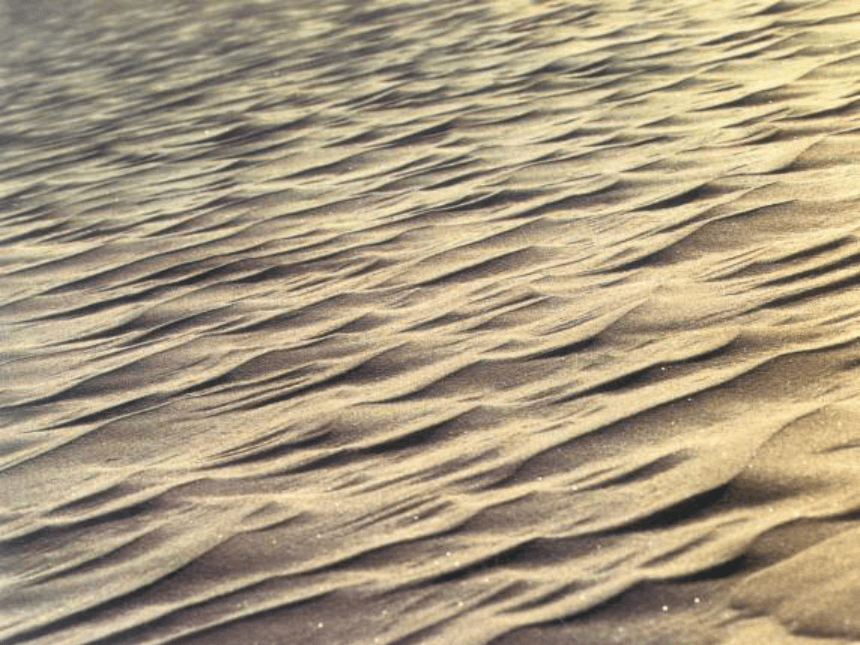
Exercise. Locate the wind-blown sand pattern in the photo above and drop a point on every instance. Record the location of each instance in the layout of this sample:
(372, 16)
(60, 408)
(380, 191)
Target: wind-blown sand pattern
(430, 322)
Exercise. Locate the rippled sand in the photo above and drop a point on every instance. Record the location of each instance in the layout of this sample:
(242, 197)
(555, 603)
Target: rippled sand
(430, 322)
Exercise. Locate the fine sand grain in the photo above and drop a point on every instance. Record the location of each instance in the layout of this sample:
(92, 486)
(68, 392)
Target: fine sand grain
(456, 322)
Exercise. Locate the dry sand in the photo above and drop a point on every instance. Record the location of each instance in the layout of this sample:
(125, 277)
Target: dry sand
(430, 322)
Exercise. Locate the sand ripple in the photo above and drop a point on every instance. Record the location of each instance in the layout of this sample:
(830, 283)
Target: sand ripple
(429, 322)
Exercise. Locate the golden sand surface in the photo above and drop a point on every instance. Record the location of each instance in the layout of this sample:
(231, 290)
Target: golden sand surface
(456, 322)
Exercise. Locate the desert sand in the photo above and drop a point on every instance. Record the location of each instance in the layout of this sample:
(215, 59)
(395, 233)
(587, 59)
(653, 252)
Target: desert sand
(405, 322)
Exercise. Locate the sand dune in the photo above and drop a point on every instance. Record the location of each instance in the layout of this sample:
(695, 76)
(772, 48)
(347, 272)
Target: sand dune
(429, 322)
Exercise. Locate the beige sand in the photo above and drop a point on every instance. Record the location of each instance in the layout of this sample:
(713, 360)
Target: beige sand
(430, 322)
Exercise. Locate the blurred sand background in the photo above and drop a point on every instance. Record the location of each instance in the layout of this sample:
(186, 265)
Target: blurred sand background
(399, 322)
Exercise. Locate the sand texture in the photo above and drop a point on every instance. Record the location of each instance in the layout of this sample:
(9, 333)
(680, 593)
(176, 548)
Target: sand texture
(450, 322)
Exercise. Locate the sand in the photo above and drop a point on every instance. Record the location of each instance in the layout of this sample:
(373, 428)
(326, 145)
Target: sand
(429, 322)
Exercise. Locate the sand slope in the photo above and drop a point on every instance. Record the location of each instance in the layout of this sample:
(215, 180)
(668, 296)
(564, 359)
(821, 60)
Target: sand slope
(429, 322)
